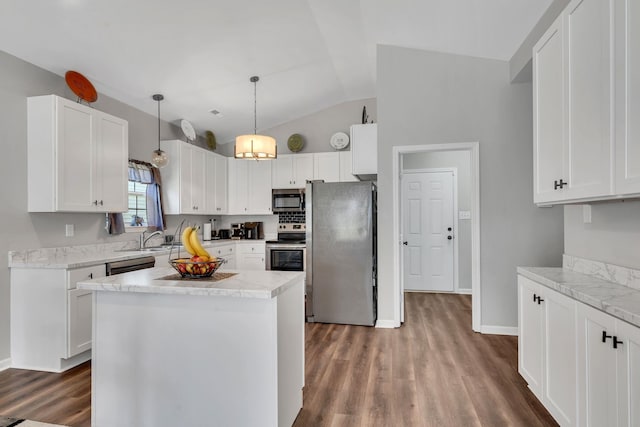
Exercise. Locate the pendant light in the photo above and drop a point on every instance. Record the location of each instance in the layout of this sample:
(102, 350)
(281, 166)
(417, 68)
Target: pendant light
(259, 147)
(159, 158)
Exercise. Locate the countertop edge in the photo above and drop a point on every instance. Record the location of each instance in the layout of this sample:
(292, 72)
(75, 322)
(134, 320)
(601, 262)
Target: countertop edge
(176, 287)
(611, 304)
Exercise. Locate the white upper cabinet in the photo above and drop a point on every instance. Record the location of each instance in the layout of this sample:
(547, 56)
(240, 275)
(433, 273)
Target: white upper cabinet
(292, 170)
(183, 179)
(346, 167)
(249, 186)
(77, 157)
(589, 137)
(326, 166)
(221, 184)
(586, 93)
(216, 183)
(548, 113)
(364, 149)
(627, 22)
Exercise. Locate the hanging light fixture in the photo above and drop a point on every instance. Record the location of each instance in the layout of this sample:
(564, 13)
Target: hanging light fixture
(159, 158)
(259, 147)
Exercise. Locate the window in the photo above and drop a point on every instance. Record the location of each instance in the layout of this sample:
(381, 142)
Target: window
(137, 214)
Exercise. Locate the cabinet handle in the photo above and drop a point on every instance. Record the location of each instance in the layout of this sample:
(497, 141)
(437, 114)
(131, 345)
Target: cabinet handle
(616, 341)
(90, 275)
(535, 297)
(539, 300)
(95, 202)
(559, 184)
(605, 336)
(101, 203)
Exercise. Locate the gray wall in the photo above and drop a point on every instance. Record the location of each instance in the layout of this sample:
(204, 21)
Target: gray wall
(612, 236)
(22, 230)
(520, 63)
(317, 128)
(462, 161)
(434, 98)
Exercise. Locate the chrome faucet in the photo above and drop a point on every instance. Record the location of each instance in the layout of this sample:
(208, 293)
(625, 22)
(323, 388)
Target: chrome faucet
(144, 240)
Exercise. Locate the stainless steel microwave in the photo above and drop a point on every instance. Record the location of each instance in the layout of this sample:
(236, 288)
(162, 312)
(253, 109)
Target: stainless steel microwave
(288, 200)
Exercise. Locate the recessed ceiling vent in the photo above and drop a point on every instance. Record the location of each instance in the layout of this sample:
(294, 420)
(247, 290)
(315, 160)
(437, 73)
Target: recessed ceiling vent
(216, 113)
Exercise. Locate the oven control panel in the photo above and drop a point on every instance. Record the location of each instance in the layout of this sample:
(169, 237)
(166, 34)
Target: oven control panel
(296, 227)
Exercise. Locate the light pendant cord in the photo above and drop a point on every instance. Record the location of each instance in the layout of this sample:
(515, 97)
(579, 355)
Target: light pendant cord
(255, 108)
(158, 125)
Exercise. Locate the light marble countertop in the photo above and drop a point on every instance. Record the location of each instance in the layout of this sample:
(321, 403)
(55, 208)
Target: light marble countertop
(88, 255)
(616, 299)
(245, 284)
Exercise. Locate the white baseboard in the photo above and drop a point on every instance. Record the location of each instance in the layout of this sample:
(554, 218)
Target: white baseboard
(499, 330)
(5, 364)
(380, 323)
(464, 291)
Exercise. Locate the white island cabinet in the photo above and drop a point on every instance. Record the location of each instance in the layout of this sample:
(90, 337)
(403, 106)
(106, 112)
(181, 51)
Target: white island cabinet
(186, 353)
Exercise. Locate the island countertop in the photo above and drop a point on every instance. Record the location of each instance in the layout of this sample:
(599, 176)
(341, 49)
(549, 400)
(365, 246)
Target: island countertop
(243, 284)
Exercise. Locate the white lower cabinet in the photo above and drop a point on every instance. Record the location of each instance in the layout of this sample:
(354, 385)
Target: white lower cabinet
(547, 348)
(609, 370)
(228, 252)
(51, 318)
(79, 321)
(582, 363)
(251, 256)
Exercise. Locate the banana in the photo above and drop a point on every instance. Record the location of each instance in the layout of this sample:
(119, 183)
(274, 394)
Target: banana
(197, 246)
(186, 240)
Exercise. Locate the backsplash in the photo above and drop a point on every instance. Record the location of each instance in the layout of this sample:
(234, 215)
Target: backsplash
(613, 273)
(291, 217)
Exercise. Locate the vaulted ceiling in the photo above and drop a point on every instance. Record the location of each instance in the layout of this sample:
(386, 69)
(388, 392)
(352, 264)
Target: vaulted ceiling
(309, 54)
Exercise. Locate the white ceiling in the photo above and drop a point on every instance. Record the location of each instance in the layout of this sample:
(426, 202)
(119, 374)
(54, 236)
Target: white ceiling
(309, 54)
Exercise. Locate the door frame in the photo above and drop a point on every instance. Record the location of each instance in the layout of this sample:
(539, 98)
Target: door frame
(454, 172)
(474, 150)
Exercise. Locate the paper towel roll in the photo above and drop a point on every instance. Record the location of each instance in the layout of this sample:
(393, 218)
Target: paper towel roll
(206, 231)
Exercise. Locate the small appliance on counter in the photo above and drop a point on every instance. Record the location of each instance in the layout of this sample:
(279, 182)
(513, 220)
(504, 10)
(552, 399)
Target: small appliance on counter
(253, 230)
(206, 231)
(237, 231)
(224, 234)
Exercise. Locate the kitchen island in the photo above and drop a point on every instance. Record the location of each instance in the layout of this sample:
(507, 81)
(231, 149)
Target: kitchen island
(168, 351)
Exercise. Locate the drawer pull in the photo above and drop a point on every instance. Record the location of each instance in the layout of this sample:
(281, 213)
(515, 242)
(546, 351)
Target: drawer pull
(605, 336)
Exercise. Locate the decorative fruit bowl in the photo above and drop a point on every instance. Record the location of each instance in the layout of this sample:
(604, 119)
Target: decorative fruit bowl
(196, 267)
(201, 264)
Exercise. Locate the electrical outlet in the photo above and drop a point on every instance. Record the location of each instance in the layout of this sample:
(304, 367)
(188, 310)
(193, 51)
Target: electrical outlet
(69, 230)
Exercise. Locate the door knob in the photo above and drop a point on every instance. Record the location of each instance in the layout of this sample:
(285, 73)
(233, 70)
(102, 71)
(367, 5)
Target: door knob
(449, 237)
(405, 243)
(449, 229)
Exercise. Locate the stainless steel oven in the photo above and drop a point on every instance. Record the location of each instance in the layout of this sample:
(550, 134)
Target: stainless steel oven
(285, 256)
(288, 253)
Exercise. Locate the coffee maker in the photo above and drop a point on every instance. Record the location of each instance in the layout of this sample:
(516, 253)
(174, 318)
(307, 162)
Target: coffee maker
(253, 230)
(237, 231)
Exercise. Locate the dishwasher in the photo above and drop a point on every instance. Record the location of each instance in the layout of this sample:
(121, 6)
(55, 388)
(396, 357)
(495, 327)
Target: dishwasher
(119, 267)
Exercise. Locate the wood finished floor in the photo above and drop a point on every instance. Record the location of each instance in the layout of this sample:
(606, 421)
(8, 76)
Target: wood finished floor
(434, 371)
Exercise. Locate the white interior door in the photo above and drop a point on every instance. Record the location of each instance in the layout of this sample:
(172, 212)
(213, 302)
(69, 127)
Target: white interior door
(428, 231)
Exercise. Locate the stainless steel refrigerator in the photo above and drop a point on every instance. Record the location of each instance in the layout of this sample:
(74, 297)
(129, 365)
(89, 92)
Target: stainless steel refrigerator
(341, 252)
